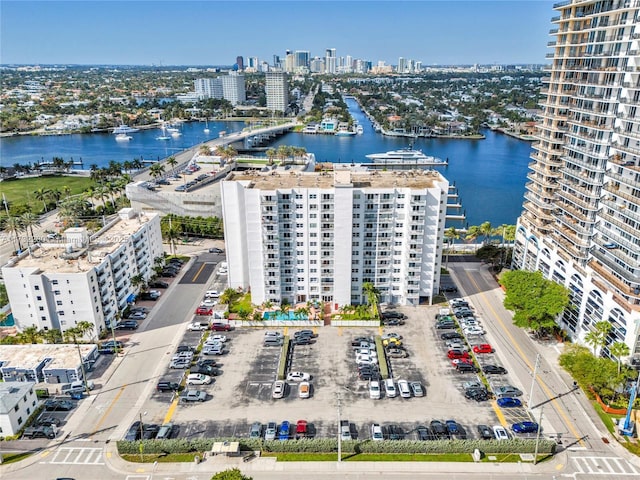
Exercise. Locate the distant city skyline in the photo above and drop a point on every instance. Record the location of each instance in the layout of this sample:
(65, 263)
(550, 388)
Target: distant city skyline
(217, 32)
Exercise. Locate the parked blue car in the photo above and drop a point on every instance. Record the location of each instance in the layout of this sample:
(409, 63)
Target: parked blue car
(524, 427)
(283, 433)
(508, 402)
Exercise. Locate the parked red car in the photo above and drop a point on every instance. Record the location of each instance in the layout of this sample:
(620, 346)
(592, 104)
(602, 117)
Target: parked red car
(457, 361)
(220, 327)
(457, 354)
(482, 348)
(204, 311)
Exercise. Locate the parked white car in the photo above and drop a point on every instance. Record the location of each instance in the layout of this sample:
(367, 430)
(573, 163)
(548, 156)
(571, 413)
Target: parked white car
(390, 388)
(208, 302)
(198, 327)
(279, 388)
(298, 377)
(500, 433)
(374, 390)
(376, 432)
(405, 391)
(217, 338)
(198, 379)
(473, 331)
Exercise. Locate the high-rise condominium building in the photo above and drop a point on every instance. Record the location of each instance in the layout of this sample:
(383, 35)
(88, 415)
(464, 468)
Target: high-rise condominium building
(208, 87)
(233, 88)
(320, 236)
(86, 277)
(277, 91)
(240, 62)
(581, 221)
(330, 61)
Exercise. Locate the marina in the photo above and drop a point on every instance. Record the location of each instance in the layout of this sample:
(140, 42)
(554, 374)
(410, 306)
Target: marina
(489, 174)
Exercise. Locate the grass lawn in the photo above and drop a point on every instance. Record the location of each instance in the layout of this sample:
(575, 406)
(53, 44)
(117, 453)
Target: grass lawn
(390, 457)
(21, 191)
(161, 457)
(242, 303)
(14, 457)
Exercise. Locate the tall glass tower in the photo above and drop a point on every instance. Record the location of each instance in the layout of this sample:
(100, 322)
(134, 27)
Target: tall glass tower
(580, 224)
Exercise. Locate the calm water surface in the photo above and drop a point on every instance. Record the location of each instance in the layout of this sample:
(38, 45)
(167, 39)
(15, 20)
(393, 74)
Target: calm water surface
(490, 174)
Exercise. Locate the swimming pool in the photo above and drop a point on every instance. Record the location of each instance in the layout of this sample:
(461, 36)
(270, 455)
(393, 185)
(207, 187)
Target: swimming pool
(8, 322)
(290, 315)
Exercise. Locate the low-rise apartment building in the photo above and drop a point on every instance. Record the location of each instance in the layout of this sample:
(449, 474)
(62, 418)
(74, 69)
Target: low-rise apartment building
(17, 402)
(83, 277)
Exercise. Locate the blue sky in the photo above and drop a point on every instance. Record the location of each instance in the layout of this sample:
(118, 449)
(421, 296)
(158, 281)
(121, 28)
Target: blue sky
(215, 32)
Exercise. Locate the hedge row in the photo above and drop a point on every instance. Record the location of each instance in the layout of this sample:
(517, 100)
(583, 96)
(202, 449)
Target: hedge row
(382, 358)
(328, 445)
(284, 358)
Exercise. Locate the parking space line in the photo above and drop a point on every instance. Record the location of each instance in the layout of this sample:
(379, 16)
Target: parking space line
(171, 411)
(286, 331)
(524, 358)
(499, 414)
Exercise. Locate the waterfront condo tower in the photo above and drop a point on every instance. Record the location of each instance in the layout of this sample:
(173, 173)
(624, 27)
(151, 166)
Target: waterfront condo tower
(581, 220)
(277, 91)
(305, 236)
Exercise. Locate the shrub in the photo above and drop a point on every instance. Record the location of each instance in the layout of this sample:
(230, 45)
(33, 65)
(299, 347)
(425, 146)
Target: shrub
(330, 445)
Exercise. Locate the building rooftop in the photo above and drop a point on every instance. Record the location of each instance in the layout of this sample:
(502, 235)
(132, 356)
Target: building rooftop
(62, 356)
(77, 251)
(340, 177)
(11, 393)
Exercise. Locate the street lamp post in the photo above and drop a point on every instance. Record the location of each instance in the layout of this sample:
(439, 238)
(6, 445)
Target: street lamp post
(339, 432)
(535, 454)
(141, 436)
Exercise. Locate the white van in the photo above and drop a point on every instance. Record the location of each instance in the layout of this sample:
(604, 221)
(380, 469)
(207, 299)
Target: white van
(212, 294)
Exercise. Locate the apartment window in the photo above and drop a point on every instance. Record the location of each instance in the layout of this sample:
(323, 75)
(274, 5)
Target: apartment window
(39, 298)
(37, 287)
(16, 408)
(58, 302)
(61, 313)
(299, 215)
(41, 309)
(19, 420)
(54, 282)
(56, 292)
(300, 244)
(313, 196)
(43, 319)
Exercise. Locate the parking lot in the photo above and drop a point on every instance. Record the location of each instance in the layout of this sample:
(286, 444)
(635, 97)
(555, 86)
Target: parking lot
(242, 394)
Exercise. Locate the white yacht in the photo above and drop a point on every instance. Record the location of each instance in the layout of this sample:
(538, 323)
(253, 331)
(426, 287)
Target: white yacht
(123, 137)
(404, 157)
(124, 129)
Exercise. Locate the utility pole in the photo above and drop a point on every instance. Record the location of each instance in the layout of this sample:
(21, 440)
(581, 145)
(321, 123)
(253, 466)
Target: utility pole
(533, 380)
(535, 454)
(339, 432)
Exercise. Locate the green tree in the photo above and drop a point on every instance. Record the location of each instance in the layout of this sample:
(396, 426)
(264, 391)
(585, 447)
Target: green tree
(228, 296)
(14, 225)
(535, 301)
(486, 230)
(619, 350)
(30, 334)
(231, 474)
(372, 295)
(172, 162)
(597, 337)
(51, 336)
(4, 298)
(30, 220)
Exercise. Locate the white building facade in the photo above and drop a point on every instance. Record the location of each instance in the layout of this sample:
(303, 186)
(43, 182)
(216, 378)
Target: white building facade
(18, 401)
(208, 88)
(85, 278)
(581, 220)
(320, 236)
(233, 88)
(277, 91)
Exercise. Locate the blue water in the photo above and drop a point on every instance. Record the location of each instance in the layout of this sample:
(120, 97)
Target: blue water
(290, 315)
(101, 148)
(490, 174)
(8, 321)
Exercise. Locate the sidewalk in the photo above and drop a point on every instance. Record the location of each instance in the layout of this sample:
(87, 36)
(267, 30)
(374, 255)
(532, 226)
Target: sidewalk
(216, 464)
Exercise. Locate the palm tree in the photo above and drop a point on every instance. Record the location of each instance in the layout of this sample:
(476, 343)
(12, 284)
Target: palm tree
(302, 312)
(373, 296)
(486, 230)
(271, 154)
(205, 151)
(14, 224)
(42, 194)
(451, 234)
(85, 327)
(171, 234)
(30, 220)
(156, 170)
(172, 162)
(138, 281)
(598, 336)
(228, 296)
(472, 233)
(30, 335)
(619, 350)
(51, 336)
